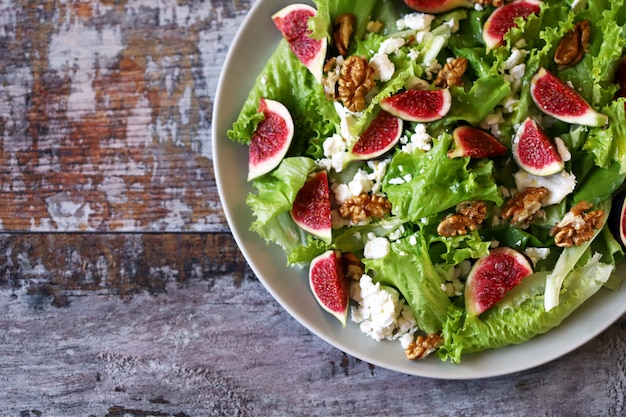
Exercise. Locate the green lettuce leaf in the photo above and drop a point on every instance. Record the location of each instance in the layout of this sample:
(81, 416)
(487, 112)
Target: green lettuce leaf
(276, 192)
(413, 182)
(408, 268)
(493, 329)
(287, 80)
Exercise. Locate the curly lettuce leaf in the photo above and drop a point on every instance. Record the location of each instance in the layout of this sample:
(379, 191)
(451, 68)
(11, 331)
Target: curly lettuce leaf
(413, 182)
(408, 268)
(287, 80)
(276, 192)
(465, 334)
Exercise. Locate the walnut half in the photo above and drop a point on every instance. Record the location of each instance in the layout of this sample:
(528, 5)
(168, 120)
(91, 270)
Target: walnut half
(524, 206)
(468, 217)
(364, 206)
(343, 28)
(423, 346)
(355, 81)
(573, 45)
(578, 225)
(451, 73)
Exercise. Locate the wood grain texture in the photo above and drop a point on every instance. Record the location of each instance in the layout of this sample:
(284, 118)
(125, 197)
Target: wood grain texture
(105, 111)
(223, 347)
(105, 145)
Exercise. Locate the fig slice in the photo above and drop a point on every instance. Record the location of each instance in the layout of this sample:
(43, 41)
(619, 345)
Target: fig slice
(418, 105)
(293, 23)
(492, 276)
(311, 207)
(379, 137)
(437, 6)
(330, 285)
(502, 19)
(475, 143)
(557, 99)
(534, 151)
(271, 138)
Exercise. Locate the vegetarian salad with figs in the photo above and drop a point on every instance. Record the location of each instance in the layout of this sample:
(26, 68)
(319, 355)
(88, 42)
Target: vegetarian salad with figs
(449, 172)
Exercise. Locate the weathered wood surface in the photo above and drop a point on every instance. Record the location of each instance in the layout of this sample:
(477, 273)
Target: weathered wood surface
(105, 127)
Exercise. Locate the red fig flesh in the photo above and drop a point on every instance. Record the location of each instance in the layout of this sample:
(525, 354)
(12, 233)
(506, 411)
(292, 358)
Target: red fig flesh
(557, 99)
(292, 21)
(381, 135)
(503, 19)
(534, 151)
(475, 143)
(271, 139)
(329, 284)
(492, 276)
(437, 6)
(418, 105)
(311, 208)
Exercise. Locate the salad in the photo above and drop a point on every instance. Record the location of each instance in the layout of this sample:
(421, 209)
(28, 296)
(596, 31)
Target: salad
(413, 278)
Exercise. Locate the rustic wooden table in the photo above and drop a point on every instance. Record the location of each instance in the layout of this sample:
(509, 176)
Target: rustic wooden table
(123, 292)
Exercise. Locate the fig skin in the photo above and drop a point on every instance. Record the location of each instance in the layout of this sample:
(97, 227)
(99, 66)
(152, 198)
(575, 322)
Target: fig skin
(437, 6)
(311, 208)
(330, 285)
(311, 52)
(475, 143)
(271, 139)
(492, 276)
(546, 89)
(534, 151)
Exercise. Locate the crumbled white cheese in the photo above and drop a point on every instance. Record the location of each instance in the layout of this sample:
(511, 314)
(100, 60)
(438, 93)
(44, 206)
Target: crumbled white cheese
(361, 183)
(383, 67)
(536, 254)
(419, 140)
(333, 145)
(453, 284)
(517, 57)
(396, 234)
(380, 313)
(415, 21)
(492, 123)
(342, 192)
(413, 54)
(379, 169)
(390, 46)
(559, 185)
(571, 219)
(561, 148)
(509, 103)
(376, 248)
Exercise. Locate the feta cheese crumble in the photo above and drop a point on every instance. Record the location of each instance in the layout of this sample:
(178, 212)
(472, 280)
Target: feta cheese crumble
(376, 248)
(380, 313)
(559, 185)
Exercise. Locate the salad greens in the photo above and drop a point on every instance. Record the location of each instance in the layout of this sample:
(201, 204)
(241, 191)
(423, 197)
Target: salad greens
(424, 185)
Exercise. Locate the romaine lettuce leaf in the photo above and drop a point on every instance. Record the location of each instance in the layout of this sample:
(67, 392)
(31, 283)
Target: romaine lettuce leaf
(465, 334)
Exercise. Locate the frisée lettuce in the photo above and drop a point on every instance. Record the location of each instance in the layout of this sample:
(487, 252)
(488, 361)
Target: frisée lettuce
(424, 185)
